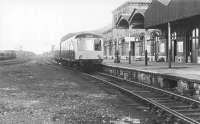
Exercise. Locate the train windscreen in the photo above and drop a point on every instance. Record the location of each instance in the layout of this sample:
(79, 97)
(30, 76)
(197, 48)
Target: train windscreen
(85, 44)
(89, 44)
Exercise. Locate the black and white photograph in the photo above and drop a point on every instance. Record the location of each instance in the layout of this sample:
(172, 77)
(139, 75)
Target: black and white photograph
(99, 61)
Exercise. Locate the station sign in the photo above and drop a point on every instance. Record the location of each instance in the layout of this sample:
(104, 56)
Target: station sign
(130, 39)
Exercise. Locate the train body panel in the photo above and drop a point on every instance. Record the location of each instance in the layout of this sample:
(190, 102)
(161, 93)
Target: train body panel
(88, 55)
(82, 47)
(68, 49)
(56, 52)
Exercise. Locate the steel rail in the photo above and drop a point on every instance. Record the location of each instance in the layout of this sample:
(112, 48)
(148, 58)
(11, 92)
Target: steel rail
(155, 88)
(156, 104)
(148, 100)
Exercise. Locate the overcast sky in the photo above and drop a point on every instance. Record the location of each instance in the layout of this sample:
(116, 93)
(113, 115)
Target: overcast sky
(37, 24)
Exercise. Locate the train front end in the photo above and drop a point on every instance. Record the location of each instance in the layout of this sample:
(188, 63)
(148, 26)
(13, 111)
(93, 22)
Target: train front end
(89, 49)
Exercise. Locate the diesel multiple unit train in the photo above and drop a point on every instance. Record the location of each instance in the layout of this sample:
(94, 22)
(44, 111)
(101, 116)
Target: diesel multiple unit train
(80, 49)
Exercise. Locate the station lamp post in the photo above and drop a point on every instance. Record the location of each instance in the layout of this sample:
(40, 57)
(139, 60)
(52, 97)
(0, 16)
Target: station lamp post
(170, 46)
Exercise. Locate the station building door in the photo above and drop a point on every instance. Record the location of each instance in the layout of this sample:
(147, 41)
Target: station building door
(132, 48)
(174, 50)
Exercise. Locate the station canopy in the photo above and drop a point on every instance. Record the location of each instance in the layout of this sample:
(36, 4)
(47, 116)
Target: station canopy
(122, 22)
(137, 18)
(160, 12)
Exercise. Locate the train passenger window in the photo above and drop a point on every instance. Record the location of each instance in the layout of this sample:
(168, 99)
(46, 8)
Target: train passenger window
(97, 45)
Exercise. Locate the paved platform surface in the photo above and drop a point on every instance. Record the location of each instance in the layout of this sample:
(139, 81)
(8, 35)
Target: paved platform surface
(186, 71)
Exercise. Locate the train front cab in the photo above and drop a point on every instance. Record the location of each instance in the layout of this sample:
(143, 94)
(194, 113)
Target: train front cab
(89, 49)
(90, 53)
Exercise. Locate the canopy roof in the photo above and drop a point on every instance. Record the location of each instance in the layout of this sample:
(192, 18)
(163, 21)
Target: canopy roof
(159, 13)
(88, 35)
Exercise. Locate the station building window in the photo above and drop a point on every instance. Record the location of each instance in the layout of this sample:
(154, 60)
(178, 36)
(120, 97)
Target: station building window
(162, 48)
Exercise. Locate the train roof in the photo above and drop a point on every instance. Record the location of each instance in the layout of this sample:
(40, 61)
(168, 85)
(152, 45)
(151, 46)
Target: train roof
(67, 36)
(81, 35)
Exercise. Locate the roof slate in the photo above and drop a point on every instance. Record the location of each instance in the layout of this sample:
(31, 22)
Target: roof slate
(158, 13)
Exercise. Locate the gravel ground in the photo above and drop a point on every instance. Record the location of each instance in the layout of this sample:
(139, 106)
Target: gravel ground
(37, 92)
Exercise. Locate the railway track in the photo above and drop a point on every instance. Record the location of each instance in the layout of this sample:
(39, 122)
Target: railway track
(179, 109)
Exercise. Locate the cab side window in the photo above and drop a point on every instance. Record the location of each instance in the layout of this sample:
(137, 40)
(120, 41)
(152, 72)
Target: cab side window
(97, 45)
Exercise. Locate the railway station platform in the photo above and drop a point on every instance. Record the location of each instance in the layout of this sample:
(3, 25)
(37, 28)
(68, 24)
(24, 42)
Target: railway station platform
(183, 79)
(188, 71)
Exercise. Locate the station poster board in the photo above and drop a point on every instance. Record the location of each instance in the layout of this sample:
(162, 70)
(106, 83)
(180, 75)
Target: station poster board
(180, 46)
(162, 47)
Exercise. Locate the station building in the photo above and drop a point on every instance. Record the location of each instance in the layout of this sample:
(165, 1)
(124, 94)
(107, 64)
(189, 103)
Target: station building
(108, 44)
(128, 36)
(178, 20)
